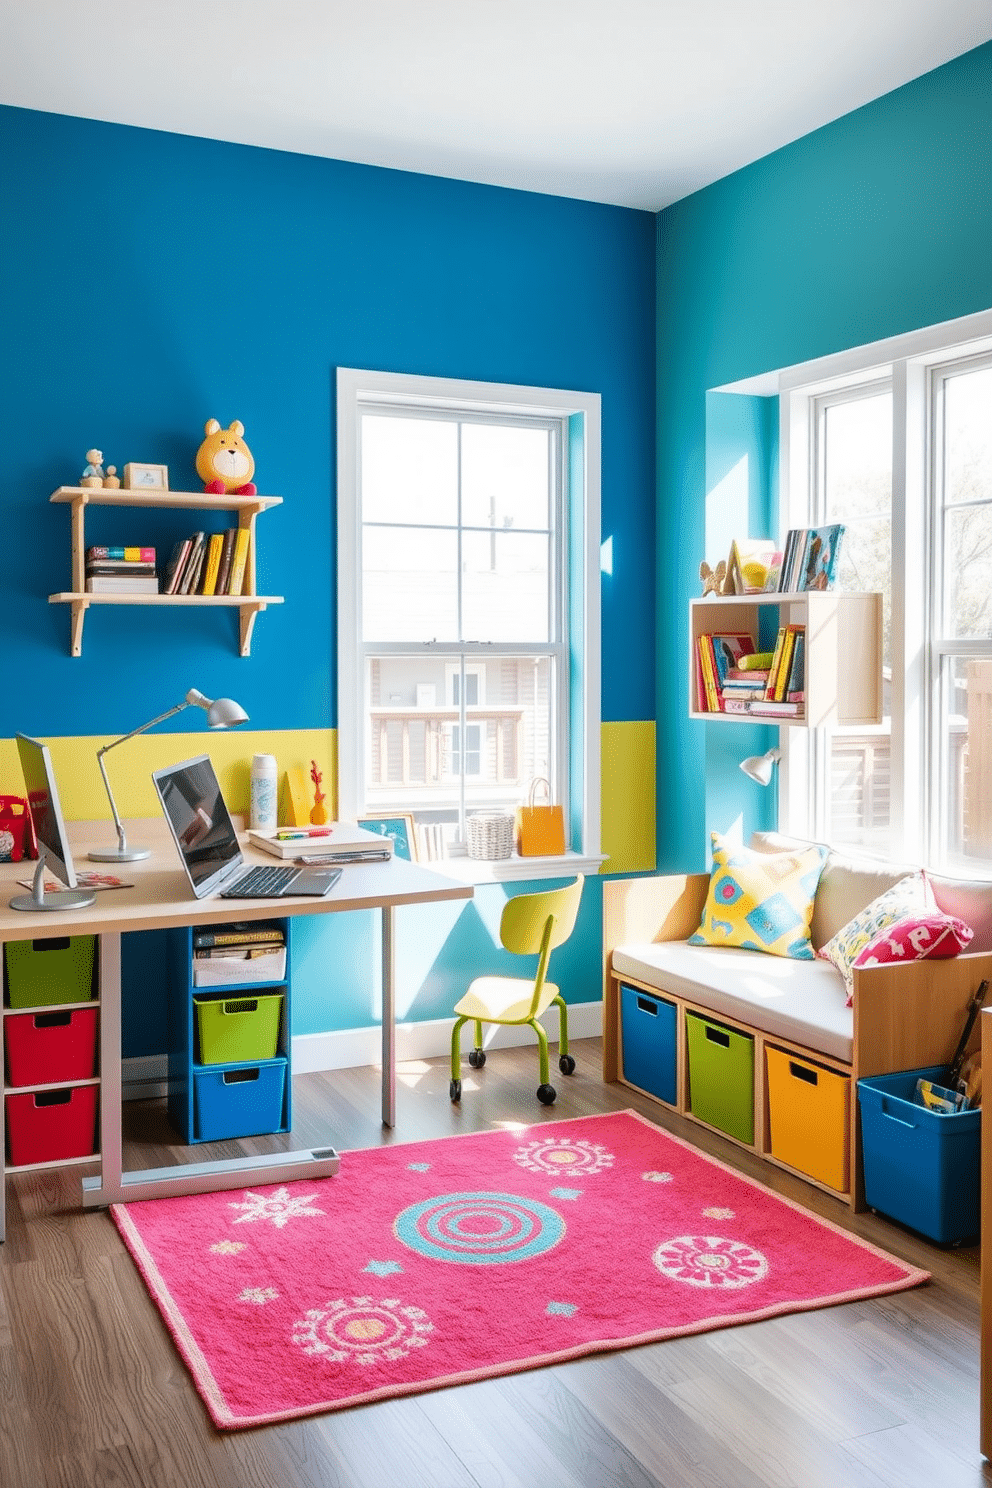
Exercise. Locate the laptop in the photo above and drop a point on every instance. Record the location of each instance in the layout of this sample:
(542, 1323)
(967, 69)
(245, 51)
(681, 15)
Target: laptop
(208, 845)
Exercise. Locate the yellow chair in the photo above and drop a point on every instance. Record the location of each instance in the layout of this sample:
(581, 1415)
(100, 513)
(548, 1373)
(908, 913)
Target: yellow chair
(531, 924)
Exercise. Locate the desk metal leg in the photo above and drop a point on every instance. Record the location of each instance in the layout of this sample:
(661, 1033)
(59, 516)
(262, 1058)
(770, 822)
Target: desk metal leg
(111, 1154)
(388, 1016)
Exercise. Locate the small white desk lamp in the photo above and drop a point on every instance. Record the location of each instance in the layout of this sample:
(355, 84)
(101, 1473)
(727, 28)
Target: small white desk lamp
(758, 767)
(221, 713)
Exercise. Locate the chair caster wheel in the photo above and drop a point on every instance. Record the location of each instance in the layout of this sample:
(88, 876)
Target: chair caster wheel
(455, 1090)
(547, 1095)
(477, 1058)
(566, 1064)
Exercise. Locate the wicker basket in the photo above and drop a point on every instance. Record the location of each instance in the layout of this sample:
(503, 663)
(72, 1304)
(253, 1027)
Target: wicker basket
(490, 834)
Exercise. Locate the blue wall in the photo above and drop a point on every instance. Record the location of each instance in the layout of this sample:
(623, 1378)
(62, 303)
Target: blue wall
(876, 224)
(152, 281)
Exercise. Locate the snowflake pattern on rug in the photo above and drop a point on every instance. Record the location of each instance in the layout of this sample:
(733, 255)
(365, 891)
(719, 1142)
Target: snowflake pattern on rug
(258, 1295)
(228, 1247)
(382, 1268)
(362, 1331)
(657, 1177)
(717, 1213)
(563, 1155)
(278, 1206)
(708, 1261)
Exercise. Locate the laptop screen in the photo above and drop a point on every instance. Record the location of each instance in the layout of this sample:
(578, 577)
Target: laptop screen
(200, 822)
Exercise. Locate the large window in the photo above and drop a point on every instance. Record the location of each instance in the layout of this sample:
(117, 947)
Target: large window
(899, 449)
(466, 592)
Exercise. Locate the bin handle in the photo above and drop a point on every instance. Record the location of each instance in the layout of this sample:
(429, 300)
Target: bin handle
(717, 1036)
(645, 1005)
(240, 1005)
(893, 1117)
(802, 1072)
(240, 1077)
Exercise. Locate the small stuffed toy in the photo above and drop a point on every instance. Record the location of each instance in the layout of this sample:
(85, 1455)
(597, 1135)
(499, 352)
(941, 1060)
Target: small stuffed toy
(93, 472)
(224, 462)
(713, 579)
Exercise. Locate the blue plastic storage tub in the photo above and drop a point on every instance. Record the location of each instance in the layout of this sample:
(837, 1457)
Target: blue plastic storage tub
(649, 1028)
(921, 1167)
(238, 1100)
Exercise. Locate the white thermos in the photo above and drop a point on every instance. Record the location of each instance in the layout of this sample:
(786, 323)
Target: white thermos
(264, 779)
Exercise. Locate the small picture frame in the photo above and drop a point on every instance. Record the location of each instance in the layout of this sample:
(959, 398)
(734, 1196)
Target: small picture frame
(146, 477)
(399, 828)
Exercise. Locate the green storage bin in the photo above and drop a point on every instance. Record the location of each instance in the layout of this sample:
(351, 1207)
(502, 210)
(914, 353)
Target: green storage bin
(42, 972)
(234, 1030)
(721, 1076)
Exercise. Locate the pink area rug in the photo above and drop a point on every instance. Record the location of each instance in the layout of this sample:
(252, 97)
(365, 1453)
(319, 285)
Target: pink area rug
(436, 1263)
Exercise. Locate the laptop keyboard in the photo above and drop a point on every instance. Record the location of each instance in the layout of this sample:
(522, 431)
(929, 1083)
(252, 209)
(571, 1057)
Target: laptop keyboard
(262, 883)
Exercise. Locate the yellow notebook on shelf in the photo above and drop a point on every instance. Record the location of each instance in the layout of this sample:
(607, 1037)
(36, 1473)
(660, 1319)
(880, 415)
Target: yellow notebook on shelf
(239, 561)
(213, 563)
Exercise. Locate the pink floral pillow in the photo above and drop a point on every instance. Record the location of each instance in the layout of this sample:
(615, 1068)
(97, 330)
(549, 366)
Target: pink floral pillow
(903, 924)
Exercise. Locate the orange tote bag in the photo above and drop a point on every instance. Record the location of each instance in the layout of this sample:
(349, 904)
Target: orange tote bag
(540, 830)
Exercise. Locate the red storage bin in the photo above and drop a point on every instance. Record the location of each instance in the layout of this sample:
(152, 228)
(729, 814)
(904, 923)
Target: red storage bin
(45, 1047)
(52, 1125)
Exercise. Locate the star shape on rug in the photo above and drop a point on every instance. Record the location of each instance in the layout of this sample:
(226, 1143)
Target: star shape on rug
(382, 1268)
(565, 1193)
(279, 1206)
(418, 1167)
(560, 1309)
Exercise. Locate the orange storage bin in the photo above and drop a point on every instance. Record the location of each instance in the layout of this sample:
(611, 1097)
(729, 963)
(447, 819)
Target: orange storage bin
(809, 1114)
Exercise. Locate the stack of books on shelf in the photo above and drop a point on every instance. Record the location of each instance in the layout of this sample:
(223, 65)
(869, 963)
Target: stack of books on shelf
(810, 558)
(732, 677)
(208, 563)
(229, 955)
(121, 571)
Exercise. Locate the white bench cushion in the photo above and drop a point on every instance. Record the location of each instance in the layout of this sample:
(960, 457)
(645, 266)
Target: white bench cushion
(803, 1001)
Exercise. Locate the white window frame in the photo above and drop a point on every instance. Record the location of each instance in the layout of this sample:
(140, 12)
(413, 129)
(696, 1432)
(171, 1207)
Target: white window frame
(356, 389)
(911, 363)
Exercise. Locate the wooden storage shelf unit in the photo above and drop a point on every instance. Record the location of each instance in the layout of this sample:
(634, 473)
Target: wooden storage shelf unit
(843, 665)
(249, 603)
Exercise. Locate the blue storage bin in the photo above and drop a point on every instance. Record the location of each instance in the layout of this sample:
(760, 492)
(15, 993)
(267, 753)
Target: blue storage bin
(237, 1100)
(649, 1029)
(921, 1167)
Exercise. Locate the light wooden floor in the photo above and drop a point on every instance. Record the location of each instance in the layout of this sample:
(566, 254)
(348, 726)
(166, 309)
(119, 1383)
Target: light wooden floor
(93, 1394)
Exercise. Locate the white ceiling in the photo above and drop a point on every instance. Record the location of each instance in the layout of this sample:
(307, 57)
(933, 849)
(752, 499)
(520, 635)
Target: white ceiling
(635, 102)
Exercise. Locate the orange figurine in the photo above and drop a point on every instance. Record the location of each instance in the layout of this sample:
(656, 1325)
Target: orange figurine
(318, 815)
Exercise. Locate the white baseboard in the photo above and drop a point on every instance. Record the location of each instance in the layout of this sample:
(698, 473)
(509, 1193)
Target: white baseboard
(146, 1077)
(360, 1046)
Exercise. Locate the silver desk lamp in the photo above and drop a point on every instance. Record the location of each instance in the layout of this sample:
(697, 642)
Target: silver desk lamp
(221, 713)
(759, 766)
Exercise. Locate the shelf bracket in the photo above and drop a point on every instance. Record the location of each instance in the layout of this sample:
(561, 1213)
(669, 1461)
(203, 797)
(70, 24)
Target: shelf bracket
(79, 608)
(248, 615)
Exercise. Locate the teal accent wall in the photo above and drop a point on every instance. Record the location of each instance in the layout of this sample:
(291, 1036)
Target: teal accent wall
(877, 224)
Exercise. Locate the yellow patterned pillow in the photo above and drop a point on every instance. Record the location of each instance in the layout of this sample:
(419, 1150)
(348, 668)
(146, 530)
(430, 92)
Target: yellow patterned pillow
(761, 901)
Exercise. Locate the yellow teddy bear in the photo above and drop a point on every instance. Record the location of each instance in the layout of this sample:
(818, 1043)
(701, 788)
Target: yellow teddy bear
(224, 462)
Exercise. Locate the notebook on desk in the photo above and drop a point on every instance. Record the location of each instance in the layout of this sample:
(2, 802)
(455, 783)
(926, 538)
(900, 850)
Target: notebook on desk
(208, 845)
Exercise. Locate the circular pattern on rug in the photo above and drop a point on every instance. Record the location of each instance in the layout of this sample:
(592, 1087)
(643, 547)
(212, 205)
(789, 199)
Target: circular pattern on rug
(561, 1155)
(479, 1229)
(362, 1331)
(708, 1261)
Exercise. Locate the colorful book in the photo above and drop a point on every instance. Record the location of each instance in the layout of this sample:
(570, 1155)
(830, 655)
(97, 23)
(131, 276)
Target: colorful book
(822, 556)
(116, 584)
(125, 555)
(239, 561)
(712, 697)
(108, 568)
(795, 686)
(237, 933)
(784, 709)
(784, 663)
(727, 652)
(211, 563)
(755, 676)
(226, 554)
(191, 568)
(174, 567)
(776, 661)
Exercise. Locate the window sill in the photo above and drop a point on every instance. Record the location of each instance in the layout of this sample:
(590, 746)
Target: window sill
(506, 870)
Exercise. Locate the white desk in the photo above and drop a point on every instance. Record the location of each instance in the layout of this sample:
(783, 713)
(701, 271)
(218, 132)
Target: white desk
(160, 898)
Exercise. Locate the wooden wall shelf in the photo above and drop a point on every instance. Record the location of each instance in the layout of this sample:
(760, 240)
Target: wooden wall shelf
(249, 603)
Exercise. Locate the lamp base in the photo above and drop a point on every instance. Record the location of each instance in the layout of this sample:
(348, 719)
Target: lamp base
(116, 855)
(61, 899)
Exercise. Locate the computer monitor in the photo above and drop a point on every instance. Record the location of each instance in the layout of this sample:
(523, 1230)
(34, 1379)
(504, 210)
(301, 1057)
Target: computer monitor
(54, 852)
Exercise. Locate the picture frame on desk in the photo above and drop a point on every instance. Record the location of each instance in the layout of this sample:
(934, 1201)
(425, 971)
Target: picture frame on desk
(146, 477)
(398, 826)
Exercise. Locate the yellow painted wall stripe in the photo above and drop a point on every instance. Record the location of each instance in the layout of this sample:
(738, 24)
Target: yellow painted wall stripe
(627, 801)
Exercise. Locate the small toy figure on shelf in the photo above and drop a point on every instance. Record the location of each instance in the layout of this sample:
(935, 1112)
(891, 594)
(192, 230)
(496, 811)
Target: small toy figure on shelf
(224, 462)
(713, 579)
(112, 481)
(93, 473)
(318, 816)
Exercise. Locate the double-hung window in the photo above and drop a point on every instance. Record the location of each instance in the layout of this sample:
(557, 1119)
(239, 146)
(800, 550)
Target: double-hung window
(898, 447)
(468, 627)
